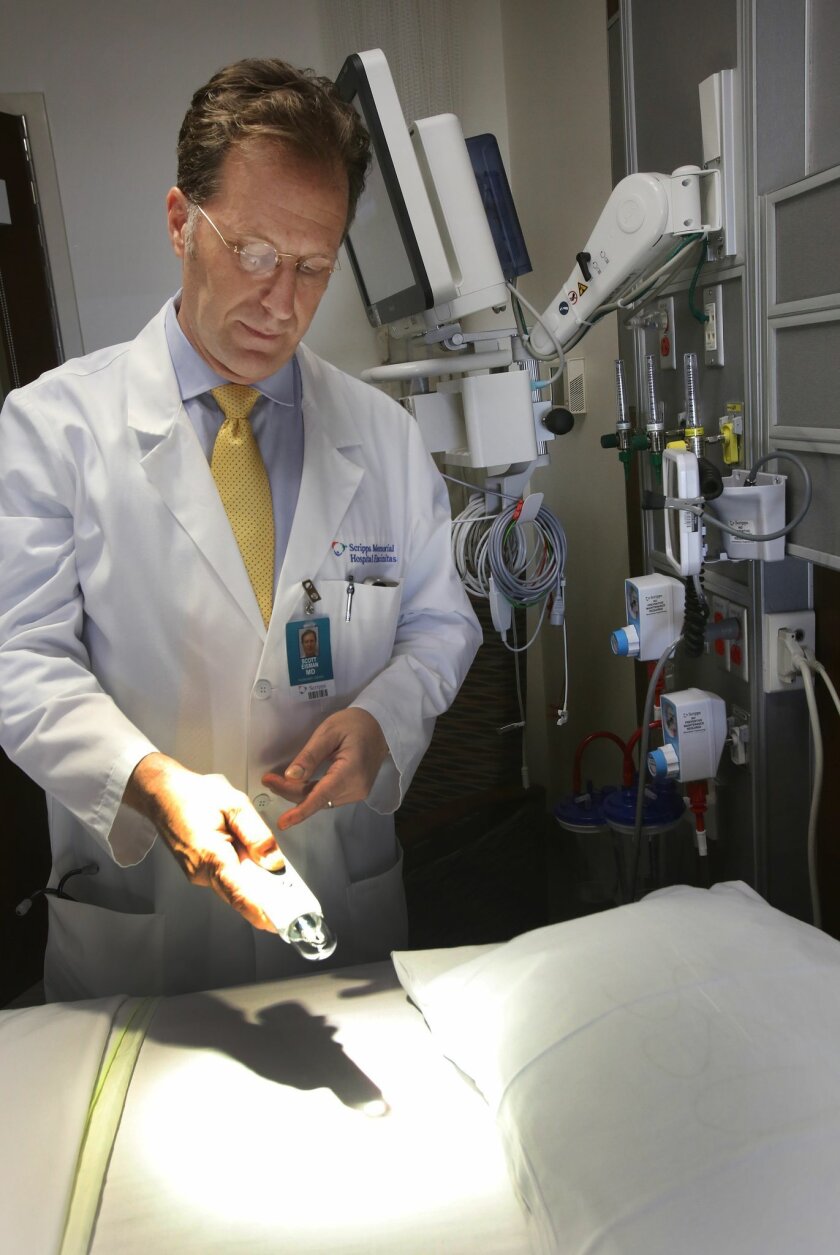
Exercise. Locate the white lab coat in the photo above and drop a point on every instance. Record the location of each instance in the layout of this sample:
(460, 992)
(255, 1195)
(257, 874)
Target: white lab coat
(128, 623)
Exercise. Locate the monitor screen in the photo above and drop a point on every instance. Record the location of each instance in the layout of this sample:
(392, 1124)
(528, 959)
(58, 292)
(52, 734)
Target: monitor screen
(377, 245)
(394, 248)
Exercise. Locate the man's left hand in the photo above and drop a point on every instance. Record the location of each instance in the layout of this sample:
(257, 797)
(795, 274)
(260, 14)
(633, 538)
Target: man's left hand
(353, 744)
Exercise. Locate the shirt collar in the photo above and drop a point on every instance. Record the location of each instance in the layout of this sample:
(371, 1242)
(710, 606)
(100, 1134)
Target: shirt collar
(195, 376)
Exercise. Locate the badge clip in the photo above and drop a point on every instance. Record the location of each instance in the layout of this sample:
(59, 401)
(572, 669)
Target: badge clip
(312, 596)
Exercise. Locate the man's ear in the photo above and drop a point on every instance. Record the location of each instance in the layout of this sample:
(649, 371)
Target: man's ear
(177, 211)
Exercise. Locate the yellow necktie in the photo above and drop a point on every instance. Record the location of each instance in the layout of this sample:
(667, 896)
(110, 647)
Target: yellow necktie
(241, 478)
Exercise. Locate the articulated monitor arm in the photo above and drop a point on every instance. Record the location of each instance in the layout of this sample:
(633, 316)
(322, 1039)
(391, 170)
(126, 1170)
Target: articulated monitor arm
(632, 238)
(489, 419)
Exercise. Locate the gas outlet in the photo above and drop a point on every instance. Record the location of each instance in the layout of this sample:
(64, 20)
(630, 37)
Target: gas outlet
(713, 326)
(665, 324)
(739, 649)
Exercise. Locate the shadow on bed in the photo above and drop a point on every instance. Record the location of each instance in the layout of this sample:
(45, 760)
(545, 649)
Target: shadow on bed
(283, 1043)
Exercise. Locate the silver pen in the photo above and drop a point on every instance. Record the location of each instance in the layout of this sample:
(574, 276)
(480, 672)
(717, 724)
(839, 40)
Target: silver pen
(348, 606)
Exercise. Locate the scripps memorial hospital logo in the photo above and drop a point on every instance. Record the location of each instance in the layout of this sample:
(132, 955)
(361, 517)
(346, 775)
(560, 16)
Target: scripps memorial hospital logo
(362, 553)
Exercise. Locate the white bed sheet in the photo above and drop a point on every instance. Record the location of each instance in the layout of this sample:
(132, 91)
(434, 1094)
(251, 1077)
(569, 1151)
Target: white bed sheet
(49, 1058)
(313, 1115)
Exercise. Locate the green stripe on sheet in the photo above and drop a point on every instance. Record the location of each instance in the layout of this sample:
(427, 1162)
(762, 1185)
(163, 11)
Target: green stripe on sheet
(104, 1112)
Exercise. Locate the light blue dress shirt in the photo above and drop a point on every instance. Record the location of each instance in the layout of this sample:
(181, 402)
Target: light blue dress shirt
(276, 421)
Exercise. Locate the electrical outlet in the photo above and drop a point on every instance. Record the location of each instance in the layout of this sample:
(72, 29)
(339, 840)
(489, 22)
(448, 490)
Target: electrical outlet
(773, 624)
(713, 327)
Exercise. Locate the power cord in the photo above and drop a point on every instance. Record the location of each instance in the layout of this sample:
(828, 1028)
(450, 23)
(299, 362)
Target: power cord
(803, 660)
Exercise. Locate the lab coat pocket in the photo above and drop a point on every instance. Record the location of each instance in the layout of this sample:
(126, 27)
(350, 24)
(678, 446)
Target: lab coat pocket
(93, 952)
(363, 643)
(378, 916)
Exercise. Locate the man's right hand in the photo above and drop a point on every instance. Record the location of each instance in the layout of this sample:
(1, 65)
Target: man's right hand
(208, 825)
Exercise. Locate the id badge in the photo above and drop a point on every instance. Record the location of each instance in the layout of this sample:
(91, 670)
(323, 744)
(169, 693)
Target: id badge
(309, 656)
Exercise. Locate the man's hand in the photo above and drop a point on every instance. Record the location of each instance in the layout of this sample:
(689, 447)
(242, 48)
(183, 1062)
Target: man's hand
(353, 744)
(208, 825)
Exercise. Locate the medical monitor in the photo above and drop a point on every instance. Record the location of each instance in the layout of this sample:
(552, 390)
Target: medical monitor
(421, 245)
(394, 245)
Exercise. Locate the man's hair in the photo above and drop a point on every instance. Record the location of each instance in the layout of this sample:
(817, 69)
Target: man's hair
(269, 100)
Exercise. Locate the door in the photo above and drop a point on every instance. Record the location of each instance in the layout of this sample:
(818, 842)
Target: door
(29, 345)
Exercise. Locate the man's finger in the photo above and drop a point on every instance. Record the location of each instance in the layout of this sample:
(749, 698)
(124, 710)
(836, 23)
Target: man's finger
(322, 744)
(290, 790)
(324, 795)
(256, 837)
(226, 881)
(307, 761)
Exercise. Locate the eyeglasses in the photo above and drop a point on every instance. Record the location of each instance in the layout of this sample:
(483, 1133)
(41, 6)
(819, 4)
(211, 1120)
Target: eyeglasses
(258, 258)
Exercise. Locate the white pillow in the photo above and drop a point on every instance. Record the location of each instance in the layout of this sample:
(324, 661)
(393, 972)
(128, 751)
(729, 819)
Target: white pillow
(658, 1071)
(417, 969)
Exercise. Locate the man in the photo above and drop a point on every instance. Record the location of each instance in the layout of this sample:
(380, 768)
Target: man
(147, 680)
(309, 642)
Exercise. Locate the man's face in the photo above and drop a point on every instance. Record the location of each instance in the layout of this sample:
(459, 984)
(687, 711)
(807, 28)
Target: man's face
(246, 328)
(310, 644)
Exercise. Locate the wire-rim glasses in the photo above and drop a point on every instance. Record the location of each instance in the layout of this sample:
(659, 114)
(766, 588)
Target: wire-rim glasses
(259, 258)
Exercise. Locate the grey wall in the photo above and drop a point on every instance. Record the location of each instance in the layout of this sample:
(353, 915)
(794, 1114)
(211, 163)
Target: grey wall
(676, 46)
(797, 89)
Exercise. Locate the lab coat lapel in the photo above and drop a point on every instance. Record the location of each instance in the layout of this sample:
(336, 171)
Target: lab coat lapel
(330, 479)
(174, 462)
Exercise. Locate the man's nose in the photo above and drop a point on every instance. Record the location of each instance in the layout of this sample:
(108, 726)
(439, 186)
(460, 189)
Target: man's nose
(279, 295)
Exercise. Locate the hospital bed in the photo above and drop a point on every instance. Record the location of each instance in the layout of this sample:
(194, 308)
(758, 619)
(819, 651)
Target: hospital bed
(662, 1077)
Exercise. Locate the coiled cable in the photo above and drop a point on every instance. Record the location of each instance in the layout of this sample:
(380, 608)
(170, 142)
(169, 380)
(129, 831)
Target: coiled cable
(695, 616)
(526, 569)
(527, 578)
